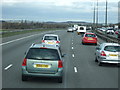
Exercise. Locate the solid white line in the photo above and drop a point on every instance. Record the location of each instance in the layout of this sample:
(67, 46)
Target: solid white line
(98, 43)
(72, 48)
(8, 67)
(73, 55)
(17, 39)
(75, 69)
(20, 39)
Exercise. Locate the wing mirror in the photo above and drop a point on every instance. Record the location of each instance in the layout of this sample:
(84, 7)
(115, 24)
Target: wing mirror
(97, 48)
(63, 55)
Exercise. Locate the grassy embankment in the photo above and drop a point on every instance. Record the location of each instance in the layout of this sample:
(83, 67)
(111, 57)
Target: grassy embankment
(7, 34)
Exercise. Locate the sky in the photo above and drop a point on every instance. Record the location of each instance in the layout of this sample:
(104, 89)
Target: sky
(58, 10)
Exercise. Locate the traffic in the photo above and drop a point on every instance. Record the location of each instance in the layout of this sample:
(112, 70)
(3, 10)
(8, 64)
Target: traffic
(40, 65)
(46, 59)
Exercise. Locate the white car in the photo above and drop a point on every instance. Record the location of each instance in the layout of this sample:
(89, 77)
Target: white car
(110, 31)
(70, 29)
(81, 30)
(51, 39)
(108, 53)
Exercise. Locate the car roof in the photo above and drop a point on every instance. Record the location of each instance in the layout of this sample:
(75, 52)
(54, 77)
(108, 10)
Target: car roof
(111, 44)
(44, 46)
(50, 35)
(89, 33)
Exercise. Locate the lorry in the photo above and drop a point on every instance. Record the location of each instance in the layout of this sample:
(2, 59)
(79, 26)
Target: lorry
(81, 30)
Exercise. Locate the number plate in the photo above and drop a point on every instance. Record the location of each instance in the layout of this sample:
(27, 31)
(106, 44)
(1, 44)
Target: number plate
(41, 66)
(50, 42)
(113, 55)
(90, 38)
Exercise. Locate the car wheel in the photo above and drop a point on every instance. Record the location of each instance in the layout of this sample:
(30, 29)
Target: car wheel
(60, 80)
(83, 43)
(95, 43)
(24, 78)
(118, 65)
(99, 63)
(96, 59)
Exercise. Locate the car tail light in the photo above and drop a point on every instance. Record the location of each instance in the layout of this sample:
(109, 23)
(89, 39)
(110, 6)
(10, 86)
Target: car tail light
(60, 64)
(24, 62)
(43, 41)
(103, 53)
(57, 41)
(43, 48)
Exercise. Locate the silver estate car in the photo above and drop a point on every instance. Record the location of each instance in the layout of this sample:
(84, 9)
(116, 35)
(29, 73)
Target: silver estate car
(51, 39)
(108, 53)
(43, 61)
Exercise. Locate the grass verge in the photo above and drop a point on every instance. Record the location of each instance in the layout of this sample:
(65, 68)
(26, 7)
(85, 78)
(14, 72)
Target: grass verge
(8, 34)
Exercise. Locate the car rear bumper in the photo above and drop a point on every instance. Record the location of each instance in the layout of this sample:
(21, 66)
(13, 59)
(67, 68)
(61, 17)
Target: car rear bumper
(80, 32)
(94, 42)
(57, 45)
(69, 31)
(110, 61)
(57, 74)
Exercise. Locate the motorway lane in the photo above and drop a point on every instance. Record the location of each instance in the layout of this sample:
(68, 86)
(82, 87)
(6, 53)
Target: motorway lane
(80, 69)
(90, 75)
(14, 73)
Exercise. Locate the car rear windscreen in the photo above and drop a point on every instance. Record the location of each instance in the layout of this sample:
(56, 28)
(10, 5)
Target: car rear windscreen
(81, 28)
(90, 35)
(50, 38)
(43, 54)
(112, 48)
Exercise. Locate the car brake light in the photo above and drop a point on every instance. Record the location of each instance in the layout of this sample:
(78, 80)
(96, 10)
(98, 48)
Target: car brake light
(103, 53)
(24, 62)
(43, 41)
(57, 41)
(43, 48)
(60, 64)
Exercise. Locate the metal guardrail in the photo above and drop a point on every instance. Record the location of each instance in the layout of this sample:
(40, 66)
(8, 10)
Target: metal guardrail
(107, 38)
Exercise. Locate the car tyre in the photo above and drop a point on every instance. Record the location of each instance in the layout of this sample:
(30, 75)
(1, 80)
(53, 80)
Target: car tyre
(83, 43)
(24, 78)
(96, 59)
(95, 43)
(99, 63)
(118, 65)
(60, 79)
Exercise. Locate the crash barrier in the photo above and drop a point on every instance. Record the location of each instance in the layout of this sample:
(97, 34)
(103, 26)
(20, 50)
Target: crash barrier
(107, 37)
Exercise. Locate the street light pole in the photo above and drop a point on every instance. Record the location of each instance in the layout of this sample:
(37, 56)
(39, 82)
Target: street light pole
(94, 18)
(97, 16)
(106, 15)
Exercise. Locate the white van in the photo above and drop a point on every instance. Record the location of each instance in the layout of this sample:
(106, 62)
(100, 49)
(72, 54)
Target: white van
(81, 30)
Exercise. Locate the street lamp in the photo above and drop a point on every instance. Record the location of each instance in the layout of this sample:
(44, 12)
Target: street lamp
(97, 16)
(106, 14)
(94, 17)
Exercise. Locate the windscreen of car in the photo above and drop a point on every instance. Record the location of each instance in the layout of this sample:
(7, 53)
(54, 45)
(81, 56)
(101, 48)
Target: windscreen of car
(43, 54)
(81, 28)
(50, 38)
(90, 35)
(70, 28)
(112, 48)
(110, 29)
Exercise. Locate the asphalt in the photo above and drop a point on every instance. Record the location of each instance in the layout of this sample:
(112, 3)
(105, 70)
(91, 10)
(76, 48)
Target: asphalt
(80, 70)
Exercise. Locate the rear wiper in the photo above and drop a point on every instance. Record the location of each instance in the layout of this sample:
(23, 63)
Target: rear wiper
(35, 58)
(41, 59)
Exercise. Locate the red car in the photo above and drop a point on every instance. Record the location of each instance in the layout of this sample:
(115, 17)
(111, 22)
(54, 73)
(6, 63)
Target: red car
(117, 31)
(89, 38)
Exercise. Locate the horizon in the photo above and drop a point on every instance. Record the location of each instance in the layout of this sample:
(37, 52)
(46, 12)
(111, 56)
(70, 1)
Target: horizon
(58, 10)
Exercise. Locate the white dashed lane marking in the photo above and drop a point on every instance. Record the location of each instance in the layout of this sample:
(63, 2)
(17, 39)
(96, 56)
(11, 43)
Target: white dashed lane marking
(75, 69)
(72, 48)
(8, 67)
(73, 55)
